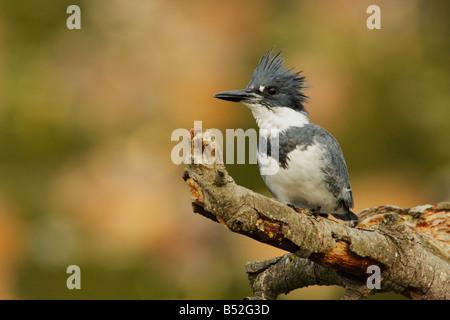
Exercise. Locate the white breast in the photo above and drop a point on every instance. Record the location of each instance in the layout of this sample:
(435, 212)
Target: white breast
(302, 184)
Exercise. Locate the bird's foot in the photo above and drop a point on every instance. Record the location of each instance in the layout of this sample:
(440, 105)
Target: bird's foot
(316, 212)
(299, 210)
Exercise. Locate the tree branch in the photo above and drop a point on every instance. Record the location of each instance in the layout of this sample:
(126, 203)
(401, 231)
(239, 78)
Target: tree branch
(410, 246)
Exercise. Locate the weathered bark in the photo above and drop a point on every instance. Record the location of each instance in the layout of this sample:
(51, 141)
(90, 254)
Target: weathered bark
(410, 246)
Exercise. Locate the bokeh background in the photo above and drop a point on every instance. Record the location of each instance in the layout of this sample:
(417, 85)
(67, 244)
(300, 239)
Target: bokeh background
(86, 118)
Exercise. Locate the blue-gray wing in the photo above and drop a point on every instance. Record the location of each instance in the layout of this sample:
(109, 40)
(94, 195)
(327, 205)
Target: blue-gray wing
(335, 168)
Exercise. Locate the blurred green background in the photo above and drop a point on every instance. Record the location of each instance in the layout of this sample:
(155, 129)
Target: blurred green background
(86, 118)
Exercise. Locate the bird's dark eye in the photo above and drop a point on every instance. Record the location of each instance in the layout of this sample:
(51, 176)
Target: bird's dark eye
(272, 91)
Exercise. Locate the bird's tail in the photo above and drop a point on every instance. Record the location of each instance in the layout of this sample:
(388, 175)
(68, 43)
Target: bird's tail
(349, 216)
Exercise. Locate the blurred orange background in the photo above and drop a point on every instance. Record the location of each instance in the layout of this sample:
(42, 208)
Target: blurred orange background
(86, 118)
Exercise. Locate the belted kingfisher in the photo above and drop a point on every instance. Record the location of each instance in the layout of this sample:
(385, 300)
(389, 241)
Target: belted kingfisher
(312, 171)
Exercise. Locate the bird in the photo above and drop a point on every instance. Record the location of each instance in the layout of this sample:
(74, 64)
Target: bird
(309, 166)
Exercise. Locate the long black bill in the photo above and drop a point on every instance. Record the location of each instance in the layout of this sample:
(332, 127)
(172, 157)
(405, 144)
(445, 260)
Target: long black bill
(237, 95)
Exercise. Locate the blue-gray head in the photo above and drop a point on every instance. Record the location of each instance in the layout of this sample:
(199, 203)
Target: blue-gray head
(271, 86)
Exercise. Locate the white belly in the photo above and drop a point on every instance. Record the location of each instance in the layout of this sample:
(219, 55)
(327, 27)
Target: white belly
(302, 184)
